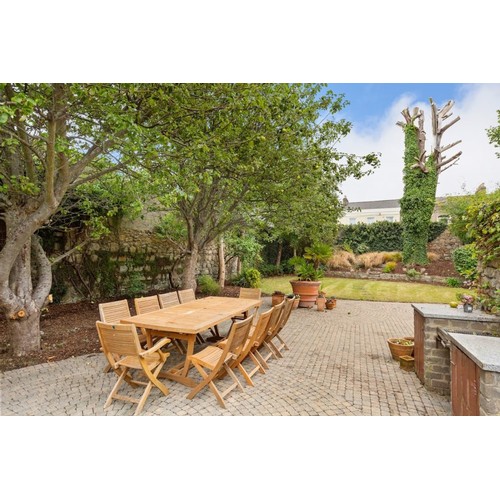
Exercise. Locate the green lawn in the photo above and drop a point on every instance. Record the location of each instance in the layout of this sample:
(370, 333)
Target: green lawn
(382, 291)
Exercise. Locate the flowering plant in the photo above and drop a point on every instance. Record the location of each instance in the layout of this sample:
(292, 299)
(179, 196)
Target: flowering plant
(467, 299)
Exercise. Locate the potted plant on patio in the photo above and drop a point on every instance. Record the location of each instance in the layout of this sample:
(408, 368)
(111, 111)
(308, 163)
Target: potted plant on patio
(277, 297)
(400, 347)
(309, 273)
(321, 301)
(331, 302)
(296, 299)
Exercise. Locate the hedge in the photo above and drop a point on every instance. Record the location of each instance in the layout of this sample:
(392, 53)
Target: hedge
(380, 236)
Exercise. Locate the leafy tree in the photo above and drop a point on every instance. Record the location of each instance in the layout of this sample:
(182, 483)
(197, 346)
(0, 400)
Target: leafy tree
(239, 154)
(54, 138)
(457, 207)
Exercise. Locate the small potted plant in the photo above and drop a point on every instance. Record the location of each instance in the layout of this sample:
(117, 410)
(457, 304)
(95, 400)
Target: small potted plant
(331, 302)
(321, 301)
(277, 297)
(296, 300)
(467, 301)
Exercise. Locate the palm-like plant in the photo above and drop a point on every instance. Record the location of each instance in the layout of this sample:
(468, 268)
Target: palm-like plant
(318, 253)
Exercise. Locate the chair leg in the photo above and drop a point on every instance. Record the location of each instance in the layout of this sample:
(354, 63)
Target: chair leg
(113, 392)
(237, 383)
(261, 360)
(282, 345)
(246, 376)
(207, 381)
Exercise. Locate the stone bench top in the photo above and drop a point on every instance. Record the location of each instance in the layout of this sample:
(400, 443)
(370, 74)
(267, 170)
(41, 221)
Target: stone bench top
(444, 311)
(484, 350)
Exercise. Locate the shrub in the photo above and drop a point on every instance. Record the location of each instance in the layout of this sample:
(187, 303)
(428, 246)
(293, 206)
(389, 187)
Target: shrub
(341, 259)
(250, 278)
(207, 285)
(465, 261)
(380, 236)
(454, 282)
(270, 270)
(371, 259)
(413, 273)
(389, 267)
(393, 257)
(432, 256)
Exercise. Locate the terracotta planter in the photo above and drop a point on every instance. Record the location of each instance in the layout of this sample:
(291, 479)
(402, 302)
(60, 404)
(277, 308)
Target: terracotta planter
(296, 303)
(320, 303)
(277, 298)
(308, 291)
(330, 304)
(398, 350)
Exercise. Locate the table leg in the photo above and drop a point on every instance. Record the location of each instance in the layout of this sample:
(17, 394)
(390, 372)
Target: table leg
(179, 373)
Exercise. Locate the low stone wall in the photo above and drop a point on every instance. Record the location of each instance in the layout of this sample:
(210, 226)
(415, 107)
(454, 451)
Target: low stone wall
(377, 275)
(128, 262)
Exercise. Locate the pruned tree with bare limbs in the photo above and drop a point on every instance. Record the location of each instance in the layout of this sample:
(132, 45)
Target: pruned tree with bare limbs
(420, 176)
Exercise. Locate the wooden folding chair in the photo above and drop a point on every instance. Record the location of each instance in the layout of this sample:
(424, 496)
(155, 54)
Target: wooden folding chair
(264, 340)
(124, 353)
(144, 305)
(221, 361)
(256, 332)
(168, 299)
(248, 293)
(287, 310)
(113, 312)
(188, 295)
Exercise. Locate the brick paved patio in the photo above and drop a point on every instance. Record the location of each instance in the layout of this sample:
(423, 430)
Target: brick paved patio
(338, 364)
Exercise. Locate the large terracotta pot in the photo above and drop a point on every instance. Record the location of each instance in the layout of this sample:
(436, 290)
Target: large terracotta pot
(308, 291)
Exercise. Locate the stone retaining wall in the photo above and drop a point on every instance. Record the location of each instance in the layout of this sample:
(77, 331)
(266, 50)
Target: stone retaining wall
(128, 262)
(444, 245)
(377, 275)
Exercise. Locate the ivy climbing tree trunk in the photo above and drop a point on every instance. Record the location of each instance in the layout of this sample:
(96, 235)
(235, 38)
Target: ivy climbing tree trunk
(420, 177)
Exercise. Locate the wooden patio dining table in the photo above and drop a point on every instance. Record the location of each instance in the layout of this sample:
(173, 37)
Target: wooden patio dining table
(185, 321)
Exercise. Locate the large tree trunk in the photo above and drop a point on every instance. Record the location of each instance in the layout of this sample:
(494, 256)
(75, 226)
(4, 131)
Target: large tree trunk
(280, 251)
(189, 271)
(25, 333)
(24, 303)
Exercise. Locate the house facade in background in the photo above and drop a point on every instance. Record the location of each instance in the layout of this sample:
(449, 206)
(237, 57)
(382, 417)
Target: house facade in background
(368, 212)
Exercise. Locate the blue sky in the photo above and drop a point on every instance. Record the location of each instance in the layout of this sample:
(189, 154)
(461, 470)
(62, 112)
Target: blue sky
(374, 110)
(369, 101)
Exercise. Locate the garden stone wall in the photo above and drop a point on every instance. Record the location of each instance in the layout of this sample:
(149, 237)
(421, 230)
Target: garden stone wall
(377, 275)
(131, 261)
(444, 245)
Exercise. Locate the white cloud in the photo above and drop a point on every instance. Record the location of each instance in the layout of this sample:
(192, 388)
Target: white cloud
(476, 107)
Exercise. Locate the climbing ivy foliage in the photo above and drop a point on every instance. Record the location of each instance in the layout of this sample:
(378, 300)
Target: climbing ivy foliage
(417, 203)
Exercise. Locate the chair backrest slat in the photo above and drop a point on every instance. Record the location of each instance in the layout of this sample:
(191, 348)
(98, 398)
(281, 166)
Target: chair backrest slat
(287, 309)
(113, 312)
(168, 299)
(237, 336)
(254, 335)
(272, 323)
(118, 339)
(250, 293)
(186, 295)
(144, 305)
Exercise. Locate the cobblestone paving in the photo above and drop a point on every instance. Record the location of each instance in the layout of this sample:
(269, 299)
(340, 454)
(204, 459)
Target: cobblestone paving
(338, 364)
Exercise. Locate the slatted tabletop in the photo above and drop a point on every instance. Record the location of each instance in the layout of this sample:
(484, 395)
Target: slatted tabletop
(194, 317)
(184, 321)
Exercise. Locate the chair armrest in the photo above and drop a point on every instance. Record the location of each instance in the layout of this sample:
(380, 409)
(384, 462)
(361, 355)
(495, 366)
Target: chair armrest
(157, 346)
